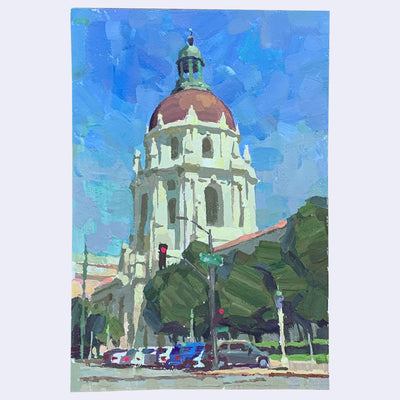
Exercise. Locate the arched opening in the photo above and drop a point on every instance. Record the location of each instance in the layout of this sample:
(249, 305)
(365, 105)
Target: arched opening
(174, 148)
(171, 185)
(172, 211)
(144, 207)
(214, 214)
(207, 148)
(143, 213)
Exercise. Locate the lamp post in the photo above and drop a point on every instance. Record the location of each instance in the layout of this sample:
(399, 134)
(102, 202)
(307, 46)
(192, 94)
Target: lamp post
(210, 245)
(278, 303)
(192, 326)
(212, 261)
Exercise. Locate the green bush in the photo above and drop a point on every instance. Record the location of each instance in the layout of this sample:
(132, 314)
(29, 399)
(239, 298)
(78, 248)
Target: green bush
(319, 358)
(322, 358)
(269, 343)
(321, 341)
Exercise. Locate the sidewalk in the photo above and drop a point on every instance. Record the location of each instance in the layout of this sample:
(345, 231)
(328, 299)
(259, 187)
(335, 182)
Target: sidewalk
(304, 369)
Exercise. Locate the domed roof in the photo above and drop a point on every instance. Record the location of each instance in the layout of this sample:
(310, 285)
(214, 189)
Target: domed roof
(190, 51)
(207, 106)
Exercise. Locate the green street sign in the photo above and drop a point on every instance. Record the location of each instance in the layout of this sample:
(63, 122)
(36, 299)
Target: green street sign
(211, 259)
(221, 329)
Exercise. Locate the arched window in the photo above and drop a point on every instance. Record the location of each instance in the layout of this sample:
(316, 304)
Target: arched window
(171, 185)
(174, 148)
(207, 148)
(171, 211)
(213, 207)
(143, 213)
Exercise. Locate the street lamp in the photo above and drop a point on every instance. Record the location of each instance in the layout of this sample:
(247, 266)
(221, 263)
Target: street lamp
(210, 245)
(278, 303)
(212, 261)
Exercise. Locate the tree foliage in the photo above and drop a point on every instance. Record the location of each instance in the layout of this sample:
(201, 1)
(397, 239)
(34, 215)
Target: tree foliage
(246, 284)
(97, 319)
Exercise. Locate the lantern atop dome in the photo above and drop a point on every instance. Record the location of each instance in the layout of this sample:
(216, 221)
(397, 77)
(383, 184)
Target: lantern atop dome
(190, 68)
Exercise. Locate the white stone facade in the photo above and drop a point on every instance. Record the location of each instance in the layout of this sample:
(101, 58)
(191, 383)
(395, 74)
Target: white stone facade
(182, 173)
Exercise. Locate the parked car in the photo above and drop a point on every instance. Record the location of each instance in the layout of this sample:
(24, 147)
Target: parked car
(200, 362)
(126, 360)
(187, 355)
(174, 356)
(163, 354)
(145, 357)
(240, 352)
(112, 357)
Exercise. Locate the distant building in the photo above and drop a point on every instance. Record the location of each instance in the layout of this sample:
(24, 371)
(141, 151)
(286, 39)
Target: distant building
(192, 169)
(101, 270)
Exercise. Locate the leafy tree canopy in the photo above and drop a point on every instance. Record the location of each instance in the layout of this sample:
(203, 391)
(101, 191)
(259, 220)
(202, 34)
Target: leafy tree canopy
(246, 284)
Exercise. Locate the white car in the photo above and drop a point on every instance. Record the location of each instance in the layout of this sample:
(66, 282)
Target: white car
(163, 355)
(113, 357)
(198, 363)
(145, 357)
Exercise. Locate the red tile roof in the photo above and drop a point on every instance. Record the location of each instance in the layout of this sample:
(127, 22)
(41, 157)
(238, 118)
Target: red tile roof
(245, 238)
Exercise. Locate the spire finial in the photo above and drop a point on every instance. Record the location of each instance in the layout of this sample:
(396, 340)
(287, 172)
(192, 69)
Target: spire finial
(190, 38)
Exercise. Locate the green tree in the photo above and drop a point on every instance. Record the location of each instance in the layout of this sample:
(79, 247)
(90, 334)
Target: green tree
(103, 324)
(246, 283)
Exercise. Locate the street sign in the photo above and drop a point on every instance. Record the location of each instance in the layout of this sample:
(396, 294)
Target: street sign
(221, 329)
(210, 259)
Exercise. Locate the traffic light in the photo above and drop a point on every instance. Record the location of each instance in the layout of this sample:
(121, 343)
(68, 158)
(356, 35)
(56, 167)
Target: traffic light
(162, 255)
(218, 317)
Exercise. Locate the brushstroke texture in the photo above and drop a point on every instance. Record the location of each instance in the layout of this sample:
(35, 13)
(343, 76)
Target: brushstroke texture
(269, 67)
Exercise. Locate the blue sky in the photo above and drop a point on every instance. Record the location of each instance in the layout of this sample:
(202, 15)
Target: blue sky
(269, 67)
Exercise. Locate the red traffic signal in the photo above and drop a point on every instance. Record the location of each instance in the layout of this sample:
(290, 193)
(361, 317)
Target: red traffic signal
(221, 311)
(162, 255)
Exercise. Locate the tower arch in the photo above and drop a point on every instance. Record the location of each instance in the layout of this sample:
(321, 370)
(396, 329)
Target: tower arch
(214, 205)
(207, 148)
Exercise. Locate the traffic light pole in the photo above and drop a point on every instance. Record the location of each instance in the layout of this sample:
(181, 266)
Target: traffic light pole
(211, 295)
(211, 292)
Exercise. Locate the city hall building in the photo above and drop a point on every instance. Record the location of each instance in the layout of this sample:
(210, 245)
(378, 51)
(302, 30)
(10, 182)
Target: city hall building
(192, 170)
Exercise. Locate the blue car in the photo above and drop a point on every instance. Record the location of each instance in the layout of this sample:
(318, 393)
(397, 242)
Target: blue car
(185, 355)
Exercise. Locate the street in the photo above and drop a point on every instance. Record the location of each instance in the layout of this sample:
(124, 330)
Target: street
(95, 378)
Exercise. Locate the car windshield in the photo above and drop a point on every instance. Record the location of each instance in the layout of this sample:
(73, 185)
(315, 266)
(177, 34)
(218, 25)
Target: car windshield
(237, 346)
(187, 349)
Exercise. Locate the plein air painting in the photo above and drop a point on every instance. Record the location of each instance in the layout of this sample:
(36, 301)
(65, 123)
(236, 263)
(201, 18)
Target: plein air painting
(200, 211)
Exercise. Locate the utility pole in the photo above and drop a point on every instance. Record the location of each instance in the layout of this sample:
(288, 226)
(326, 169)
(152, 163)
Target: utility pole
(83, 319)
(212, 261)
(211, 294)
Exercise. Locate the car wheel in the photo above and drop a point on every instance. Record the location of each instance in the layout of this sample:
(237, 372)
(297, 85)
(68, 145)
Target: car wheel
(207, 365)
(188, 365)
(263, 363)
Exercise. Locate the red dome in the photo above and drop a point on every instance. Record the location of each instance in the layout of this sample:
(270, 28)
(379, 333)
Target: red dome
(208, 107)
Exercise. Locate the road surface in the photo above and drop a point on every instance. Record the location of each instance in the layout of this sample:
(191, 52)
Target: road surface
(94, 378)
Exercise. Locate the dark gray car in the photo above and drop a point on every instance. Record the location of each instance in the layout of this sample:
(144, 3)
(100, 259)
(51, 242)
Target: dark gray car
(241, 352)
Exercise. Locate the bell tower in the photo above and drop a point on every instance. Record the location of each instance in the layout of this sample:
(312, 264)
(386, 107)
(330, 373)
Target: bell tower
(193, 169)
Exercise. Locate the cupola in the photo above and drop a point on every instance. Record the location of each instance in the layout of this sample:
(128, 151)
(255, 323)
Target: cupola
(190, 68)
